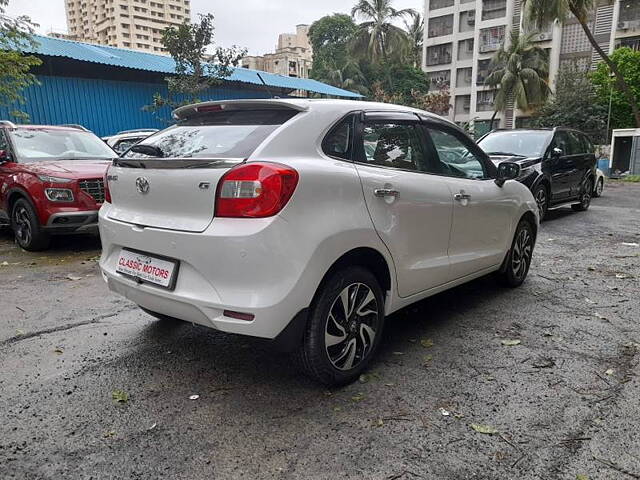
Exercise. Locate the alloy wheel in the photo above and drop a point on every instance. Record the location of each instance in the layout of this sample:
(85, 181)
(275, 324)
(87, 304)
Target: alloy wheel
(521, 255)
(541, 200)
(599, 187)
(351, 327)
(22, 225)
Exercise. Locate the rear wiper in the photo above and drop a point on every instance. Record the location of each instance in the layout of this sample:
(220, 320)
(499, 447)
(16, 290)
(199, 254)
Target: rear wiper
(505, 154)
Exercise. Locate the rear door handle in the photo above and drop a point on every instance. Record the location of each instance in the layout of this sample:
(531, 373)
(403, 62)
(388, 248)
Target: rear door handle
(462, 196)
(385, 192)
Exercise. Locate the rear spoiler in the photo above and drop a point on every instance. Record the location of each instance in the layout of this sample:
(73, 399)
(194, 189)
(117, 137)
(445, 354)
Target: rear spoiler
(223, 105)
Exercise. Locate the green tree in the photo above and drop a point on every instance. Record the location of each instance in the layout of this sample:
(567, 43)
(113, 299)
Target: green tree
(541, 12)
(519, 72)
(329, 38)
(415, 31)
(574, 104)
(377, 36)
(196, 70)
(627, 62)
(15, 37)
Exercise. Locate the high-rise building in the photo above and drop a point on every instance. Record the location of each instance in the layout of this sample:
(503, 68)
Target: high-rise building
(292, 58)
(135, 24)
(461, 36)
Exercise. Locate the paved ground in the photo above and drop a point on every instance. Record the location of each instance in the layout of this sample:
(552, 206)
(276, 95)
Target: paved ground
(564, 402)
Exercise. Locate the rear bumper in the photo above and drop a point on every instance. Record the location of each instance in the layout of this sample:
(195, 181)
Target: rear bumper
(244, 266)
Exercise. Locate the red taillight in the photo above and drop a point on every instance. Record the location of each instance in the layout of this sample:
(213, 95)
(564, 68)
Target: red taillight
(107, 193)
(255, 190)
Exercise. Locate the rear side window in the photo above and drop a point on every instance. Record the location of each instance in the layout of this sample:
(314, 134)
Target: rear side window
(225, 134)
(576, 146)
(339, 140)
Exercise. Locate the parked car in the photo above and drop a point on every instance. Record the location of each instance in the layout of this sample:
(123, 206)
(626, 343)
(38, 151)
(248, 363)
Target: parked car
(558, 165)
(51, 181)
(122, 141)
(308, 221)
(599, 185)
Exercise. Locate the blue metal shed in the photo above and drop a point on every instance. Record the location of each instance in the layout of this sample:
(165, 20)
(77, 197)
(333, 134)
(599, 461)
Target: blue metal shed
(106, 88)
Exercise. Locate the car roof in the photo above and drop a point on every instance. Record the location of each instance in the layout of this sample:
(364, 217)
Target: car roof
(45, 127)
(304, 104)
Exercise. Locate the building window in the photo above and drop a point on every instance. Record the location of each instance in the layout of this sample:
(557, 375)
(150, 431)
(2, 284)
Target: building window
(436, 4)
(465, 49)
(439, 26)
(574, 39)
(467, 21)
(629, 15)
(493, 9)
(484, 101)
(491, 39)
(464, 77)
(483, 71)
(439, 80)
(629, 42)
(463, 104)
(439, 54)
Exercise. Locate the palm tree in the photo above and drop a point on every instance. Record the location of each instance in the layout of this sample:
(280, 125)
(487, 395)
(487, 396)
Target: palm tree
(415, 30)
(519, 72)
(349, 77)
(545, 11)
(376, 33)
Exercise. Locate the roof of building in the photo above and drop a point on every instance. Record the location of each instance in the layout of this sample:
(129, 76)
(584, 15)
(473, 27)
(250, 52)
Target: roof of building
(124, 58)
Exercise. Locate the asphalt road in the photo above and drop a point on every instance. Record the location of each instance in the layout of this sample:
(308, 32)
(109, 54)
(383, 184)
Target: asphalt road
(563, 402)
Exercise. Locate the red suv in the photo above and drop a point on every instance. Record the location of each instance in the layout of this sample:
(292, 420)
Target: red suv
(51, 181)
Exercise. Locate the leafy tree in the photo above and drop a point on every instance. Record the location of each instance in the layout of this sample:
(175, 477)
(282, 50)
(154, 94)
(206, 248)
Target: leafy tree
(349, 77)
(377, 36)
(627, 62)
(399, 79)
(330, 37)
(519, 72)
(15, 36)
(574, 104)
(544, 11)
(415, 31)
(196, 71)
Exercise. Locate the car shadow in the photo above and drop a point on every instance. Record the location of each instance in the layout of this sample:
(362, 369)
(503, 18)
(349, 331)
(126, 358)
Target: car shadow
(203, 356)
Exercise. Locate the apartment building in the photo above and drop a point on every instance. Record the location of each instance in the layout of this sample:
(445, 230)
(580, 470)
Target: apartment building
(134, 24)
(292, 58)
(461, 36)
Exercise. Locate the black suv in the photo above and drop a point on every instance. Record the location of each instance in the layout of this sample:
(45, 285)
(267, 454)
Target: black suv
(558, 165)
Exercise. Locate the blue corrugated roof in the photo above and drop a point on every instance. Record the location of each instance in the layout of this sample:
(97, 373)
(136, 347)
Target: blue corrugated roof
(120, 57)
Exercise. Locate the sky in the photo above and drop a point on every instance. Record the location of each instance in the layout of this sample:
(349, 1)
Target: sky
(252, 24)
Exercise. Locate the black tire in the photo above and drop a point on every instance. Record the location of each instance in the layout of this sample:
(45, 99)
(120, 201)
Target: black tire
(26, 227)
(516, 266)
(159, 316)
(597, 191)
(585, 197)
(541, 196)
(344, 361)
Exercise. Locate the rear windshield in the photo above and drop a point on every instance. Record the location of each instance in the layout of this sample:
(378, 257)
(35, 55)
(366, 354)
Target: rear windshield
(34, 145)
(516, 142)
(230, 134)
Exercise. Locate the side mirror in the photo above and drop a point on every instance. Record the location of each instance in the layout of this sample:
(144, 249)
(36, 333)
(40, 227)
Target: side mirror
(4, 156)
(507, 171)
(556, 152)
(148, 150)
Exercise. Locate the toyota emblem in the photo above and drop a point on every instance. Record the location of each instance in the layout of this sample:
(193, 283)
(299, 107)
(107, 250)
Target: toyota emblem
(142, 185)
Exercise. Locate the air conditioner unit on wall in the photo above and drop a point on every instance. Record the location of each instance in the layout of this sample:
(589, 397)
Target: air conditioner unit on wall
(624, 25)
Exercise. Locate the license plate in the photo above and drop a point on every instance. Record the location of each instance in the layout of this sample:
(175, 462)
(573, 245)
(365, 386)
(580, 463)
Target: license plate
(148, 268)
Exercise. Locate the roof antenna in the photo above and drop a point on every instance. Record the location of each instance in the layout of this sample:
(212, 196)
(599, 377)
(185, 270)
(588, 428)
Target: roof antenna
(266, 87)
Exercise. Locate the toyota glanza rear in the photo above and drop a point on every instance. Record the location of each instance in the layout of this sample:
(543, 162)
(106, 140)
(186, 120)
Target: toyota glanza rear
(193, 225)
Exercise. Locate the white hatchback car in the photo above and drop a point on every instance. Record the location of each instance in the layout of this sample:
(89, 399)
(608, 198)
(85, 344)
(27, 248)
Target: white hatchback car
(308, 221)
